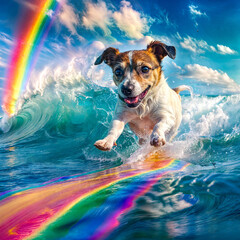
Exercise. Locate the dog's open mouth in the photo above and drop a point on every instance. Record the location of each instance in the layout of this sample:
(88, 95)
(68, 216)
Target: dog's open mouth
(134, 101)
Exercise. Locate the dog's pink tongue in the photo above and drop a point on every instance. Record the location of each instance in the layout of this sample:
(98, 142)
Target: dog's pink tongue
(131, 100)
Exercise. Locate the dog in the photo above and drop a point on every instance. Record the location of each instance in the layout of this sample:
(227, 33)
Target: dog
(145, 101)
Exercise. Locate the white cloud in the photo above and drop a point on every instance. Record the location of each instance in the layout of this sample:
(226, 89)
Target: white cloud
(58, 47)
(201, 46)
(6, 38)
(176, 66)
(163, 18)
(97, 15)
(178, 36)
(210, 76)
(130, 21)
(194, 11)
(68, 17)
(97, 46)
(68, 40)
(190, 44)
(5, 51)
(197, 46)
(142, 42)
(225, 50)
(2, 64)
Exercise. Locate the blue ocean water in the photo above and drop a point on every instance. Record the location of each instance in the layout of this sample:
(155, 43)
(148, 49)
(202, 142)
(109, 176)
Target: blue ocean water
(53, 134)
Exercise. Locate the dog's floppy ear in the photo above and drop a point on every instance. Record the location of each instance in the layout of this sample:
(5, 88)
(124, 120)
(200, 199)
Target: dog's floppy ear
(161, 50)
(108, 56)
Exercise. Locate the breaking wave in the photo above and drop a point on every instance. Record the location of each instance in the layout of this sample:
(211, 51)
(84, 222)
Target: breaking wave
(63, 104)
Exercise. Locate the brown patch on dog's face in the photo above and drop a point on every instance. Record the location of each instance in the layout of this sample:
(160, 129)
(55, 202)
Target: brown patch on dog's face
(119, 67)
(146, 70)
(136, 72)
(142, 67)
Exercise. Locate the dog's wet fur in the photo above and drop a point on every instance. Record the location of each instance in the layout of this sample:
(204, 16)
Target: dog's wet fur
(145, 101)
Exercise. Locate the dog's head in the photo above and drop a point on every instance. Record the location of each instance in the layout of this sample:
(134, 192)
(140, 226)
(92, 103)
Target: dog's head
(136, 73)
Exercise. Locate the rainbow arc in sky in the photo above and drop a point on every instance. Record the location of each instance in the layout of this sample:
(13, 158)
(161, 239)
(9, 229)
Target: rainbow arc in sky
(33, 30)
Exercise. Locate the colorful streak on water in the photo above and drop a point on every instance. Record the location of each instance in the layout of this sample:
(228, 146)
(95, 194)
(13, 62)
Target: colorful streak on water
(36, 212)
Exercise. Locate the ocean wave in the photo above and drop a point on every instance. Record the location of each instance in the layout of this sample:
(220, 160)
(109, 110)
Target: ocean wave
(65, 104)
(209, 125)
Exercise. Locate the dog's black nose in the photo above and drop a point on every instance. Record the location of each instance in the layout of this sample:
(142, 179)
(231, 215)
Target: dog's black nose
(127, 90)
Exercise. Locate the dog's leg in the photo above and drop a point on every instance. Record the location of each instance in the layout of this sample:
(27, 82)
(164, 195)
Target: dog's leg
(158, 134)
(107, 143)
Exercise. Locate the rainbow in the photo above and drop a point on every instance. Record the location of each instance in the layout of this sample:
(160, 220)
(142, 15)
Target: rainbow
(88, 206)
(36, 24)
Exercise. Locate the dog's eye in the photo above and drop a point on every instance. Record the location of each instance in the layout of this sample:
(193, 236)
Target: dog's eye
(145, 69)
(118, 72)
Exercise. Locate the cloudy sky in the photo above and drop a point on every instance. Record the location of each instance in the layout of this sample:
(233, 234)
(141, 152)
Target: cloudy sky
(205, 33)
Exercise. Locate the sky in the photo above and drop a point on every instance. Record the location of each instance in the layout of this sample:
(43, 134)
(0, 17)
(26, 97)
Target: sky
(206, 35)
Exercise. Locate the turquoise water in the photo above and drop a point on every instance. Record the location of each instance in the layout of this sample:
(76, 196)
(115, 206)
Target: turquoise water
(53, 134)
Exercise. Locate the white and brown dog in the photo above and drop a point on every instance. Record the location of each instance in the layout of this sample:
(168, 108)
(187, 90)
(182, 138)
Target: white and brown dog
(146, 102)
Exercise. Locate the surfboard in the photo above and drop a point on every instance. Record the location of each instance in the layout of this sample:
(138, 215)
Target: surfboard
(64, 207)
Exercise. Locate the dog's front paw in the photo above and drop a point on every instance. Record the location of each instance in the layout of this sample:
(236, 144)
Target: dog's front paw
(157, 140)
(104, 144)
